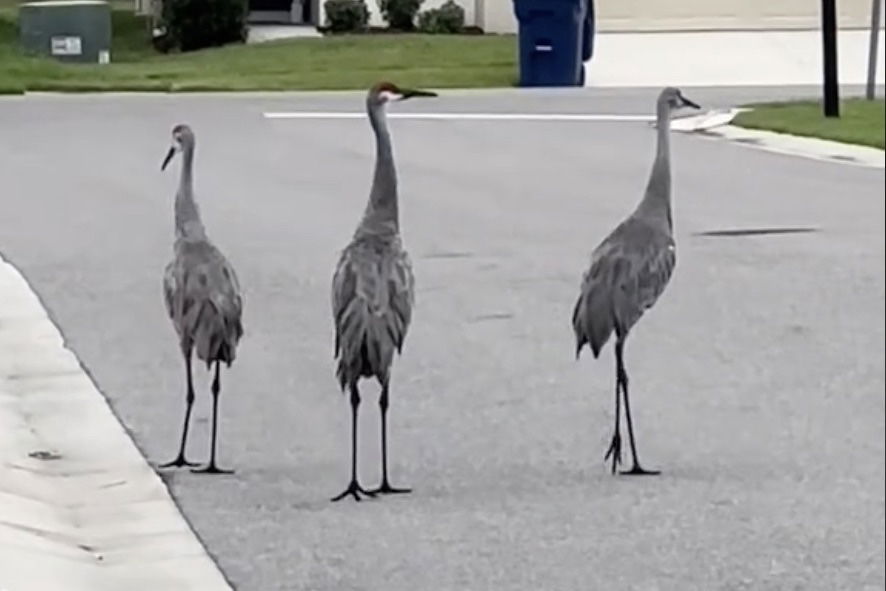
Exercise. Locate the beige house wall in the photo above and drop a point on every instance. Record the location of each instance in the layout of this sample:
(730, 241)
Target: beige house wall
(497, 16)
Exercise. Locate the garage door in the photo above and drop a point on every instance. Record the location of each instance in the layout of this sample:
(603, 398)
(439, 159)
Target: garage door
(693, 15)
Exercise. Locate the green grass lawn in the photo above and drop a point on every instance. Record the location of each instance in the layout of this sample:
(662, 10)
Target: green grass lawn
(332, 63)
(861, 122)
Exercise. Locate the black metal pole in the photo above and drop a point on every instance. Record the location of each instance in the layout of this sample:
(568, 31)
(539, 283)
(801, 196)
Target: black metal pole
(829, 47)
(871, 89)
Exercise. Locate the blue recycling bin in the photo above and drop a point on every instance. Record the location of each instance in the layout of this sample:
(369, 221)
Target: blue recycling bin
(587, 40)
(553, 41)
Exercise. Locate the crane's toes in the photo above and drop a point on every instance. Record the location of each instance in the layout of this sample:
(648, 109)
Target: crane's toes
(614, 451)
(355, 490)
(638, 471)
(211, 469)
(178, 463)
(387, 489)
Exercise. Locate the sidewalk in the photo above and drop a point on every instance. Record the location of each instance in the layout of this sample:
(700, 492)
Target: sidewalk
(733, 58)
(80, 509)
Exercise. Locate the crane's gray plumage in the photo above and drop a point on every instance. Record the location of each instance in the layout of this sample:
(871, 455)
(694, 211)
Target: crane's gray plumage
(629, 271)
(631, 268)
(202, 296)
(201, 290)
(373, 285)
(373, 295)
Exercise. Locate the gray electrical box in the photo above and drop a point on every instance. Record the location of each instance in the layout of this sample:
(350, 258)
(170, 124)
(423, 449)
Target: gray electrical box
(68, 30)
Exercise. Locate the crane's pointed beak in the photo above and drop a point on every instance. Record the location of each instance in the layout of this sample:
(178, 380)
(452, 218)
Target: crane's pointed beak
(408, 93)
(689, 103)
(169, 156)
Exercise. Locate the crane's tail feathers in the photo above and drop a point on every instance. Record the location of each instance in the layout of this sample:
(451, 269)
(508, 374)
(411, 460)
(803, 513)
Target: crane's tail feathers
(581, 342)
(216, 335)
(592, 322)
(596, 349)
(366, 343)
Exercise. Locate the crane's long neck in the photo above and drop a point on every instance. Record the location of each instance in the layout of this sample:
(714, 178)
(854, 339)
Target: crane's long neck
(382, 211)
(656, 202)
(188, 224)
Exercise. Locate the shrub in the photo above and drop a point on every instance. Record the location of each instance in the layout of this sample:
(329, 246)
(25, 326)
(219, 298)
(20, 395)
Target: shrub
(196, 24)
(346, 16)
(400, 14)
(161, 41)
(449, 18)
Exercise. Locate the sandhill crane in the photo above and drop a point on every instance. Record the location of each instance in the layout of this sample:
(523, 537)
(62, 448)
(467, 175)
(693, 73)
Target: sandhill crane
(202, 295)
(629, 271)
(372, 288)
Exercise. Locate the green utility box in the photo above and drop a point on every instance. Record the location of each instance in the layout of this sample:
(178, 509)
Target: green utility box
(68, 30)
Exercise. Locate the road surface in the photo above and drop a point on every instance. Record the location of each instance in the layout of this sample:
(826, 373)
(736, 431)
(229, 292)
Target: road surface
(757, 380)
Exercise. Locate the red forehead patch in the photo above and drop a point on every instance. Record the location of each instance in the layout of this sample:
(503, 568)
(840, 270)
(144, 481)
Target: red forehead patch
(386, 86)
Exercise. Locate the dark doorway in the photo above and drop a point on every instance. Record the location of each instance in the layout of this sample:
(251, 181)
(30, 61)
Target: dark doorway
(282, 12)
(270, 5)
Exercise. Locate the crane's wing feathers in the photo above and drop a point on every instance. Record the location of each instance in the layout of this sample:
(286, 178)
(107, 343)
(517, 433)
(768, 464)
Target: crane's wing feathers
(170, 290)
(372, 300)
(401, 298)
(202, 294)
(639, 280)
(629, 271)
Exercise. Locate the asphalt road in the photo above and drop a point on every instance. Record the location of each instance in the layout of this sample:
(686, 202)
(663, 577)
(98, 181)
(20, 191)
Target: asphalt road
(757, 380)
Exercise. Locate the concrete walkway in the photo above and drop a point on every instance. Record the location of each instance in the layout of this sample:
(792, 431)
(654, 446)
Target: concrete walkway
(80, 509)
(261, 33)
(734, 58)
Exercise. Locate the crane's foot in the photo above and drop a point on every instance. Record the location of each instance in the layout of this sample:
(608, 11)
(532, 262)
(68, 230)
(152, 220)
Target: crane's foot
(211, 469)
(178, 463)
(387, 489)
(614, 451)
(638, 471)
(355, 490)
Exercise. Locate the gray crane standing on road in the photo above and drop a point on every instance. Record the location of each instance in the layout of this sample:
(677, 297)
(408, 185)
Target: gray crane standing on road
(372, 288)
(202, 295)
(629, 271)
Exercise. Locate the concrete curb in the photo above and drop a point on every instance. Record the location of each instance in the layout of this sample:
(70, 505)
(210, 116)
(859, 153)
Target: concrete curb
(80, 508)
(717, 124)
(806, 147)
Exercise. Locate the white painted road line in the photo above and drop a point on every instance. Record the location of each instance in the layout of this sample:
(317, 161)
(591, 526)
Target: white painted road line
(80, 509)
(463, 116)
(713, 124)
(687, 122)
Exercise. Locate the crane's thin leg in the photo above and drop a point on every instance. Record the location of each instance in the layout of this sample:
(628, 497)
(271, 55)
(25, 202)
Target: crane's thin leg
(212, 468)
(637, 470)
(189, 404)
(354, 489)
(386, 487)
(615, 447)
